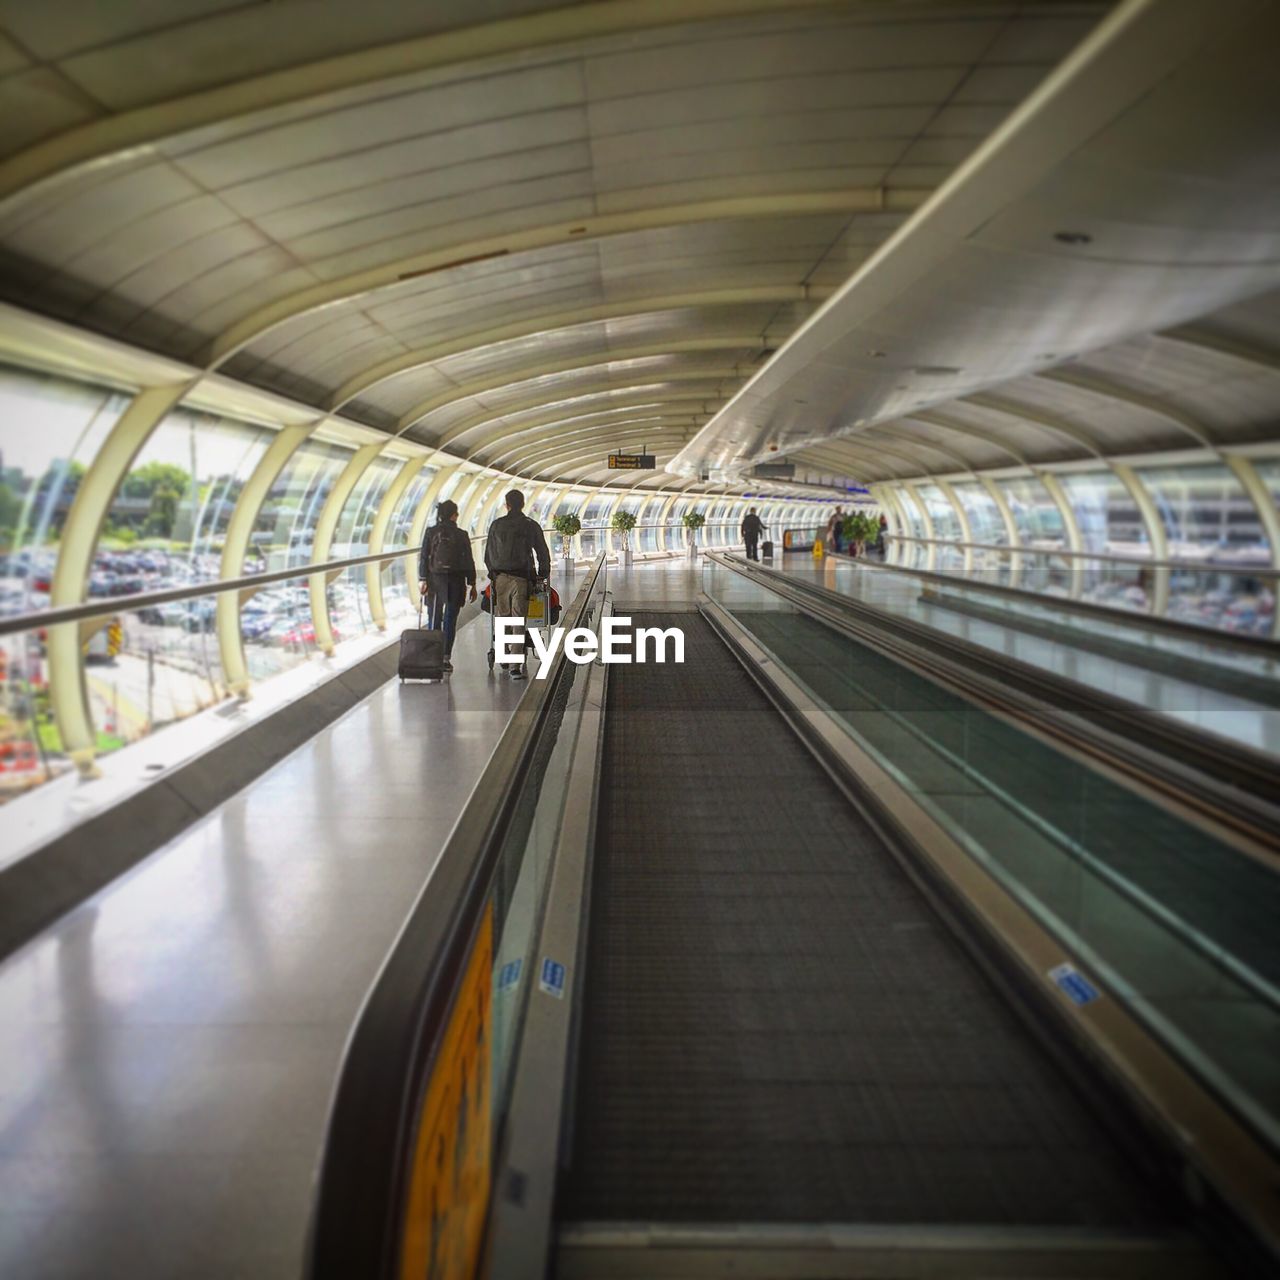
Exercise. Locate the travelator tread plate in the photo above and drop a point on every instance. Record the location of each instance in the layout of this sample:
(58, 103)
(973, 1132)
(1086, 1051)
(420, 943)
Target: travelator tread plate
(776, 1026)
(1223, 894)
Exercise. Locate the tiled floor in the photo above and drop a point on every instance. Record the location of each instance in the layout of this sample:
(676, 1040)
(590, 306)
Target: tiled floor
(167, 1050)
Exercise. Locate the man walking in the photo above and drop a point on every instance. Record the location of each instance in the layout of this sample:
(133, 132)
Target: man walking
(446, 568)
(516, 554)
(752, 530)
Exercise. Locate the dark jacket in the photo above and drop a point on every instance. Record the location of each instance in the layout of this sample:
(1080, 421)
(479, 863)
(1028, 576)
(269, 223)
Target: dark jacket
(446, 549)
(752, 527)
(514, 544)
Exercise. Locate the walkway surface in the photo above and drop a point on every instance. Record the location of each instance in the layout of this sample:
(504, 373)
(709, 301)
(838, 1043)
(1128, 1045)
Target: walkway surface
(1208, 709)
(168, 1049)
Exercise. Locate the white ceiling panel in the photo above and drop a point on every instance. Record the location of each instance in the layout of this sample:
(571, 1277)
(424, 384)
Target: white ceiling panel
(1115, 207)
(175, 243)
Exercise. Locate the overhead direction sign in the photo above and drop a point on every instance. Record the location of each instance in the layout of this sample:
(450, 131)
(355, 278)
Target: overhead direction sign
(632, 462)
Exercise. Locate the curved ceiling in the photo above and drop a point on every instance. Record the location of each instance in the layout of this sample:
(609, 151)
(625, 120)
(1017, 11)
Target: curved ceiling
(1037, 308)
(455, 230)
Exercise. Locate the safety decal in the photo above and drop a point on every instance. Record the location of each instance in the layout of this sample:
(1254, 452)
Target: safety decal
(1074, 985)
(551, 979)
(509, 974)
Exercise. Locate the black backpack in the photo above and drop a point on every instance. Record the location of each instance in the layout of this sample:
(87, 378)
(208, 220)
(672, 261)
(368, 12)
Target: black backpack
(447, 552)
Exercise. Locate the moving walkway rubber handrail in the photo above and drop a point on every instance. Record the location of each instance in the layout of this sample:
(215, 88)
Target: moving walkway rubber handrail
(1257, 645)
(358, 1216)
(1153, 1101)
(1106, 557)
(1230, 783)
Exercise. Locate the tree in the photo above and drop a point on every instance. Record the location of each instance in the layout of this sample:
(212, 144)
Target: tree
(62, 475)
(147, 480)
(10, 507)
(163, 513)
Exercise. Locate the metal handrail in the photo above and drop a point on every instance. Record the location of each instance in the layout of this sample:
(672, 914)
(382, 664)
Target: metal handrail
(106, 606)
(365, 1168)
(1108, 556)
(1198, 633)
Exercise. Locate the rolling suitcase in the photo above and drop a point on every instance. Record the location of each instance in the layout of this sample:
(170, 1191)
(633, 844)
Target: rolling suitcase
(421, 653)
(766, 550)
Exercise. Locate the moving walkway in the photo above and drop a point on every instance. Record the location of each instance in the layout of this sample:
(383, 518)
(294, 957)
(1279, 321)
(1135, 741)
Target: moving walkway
(745, 966)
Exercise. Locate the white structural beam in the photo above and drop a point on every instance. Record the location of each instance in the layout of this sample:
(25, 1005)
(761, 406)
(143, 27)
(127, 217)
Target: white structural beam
(557, 402)
(962, 517)
(1156, 537)
(326, 524)
(944, 423)
(573, 365)
(605, 433)
(76, 548)
(1268, 516)
(846, 458)
(378, 535)
(662, 444)
(574, 317)
(1105, 389)
(594, 427)
(1025, 413)
(235, 546)
(877, 435)
(100, 142)
(265, 319)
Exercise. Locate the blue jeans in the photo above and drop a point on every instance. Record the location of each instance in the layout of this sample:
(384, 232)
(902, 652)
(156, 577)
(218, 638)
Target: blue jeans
(448, 591)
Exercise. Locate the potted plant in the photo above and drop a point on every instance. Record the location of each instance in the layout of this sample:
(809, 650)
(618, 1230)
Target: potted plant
(623, 522)
(567, 526)
(693, 521)
(859, 529)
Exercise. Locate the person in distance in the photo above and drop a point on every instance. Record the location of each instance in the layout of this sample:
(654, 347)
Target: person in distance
(516, 555)
(446, 568)
(752, 531)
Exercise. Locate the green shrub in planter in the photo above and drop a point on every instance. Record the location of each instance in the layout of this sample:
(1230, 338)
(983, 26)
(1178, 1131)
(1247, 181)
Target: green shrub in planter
(860, 528)
(694, 520)
(623, 522)
(566, 526)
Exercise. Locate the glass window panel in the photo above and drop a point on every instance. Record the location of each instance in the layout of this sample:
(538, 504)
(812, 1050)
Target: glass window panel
(285, 527)
(400, 525)
(351, 538)
(349, 606)
(50, 430)
(942, 514)
(1035, 514)
(542, 506)
(488, 490)
(1106, 513)
(166, 527)
(571, 503)
(396, 588)
(1268, 470)
(276, 622)
(912, 511)
(1205, 508)
(979, 506)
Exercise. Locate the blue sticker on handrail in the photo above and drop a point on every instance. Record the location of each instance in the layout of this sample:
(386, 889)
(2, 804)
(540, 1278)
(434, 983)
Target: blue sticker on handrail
(509, 974)
(551, 979)
(1074, 985)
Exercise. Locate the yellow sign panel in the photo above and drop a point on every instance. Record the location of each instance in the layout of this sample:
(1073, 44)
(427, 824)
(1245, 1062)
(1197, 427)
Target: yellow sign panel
(449, 1185)
(536, 609)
